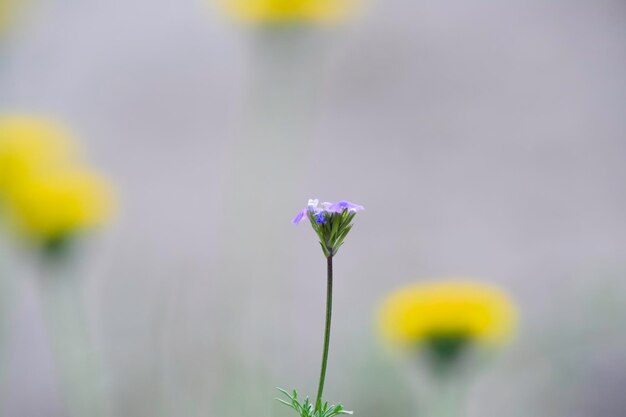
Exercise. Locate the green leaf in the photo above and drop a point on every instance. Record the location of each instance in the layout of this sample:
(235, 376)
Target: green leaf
(284, 402)
(335, 227)
(285, 392)
(325, 250)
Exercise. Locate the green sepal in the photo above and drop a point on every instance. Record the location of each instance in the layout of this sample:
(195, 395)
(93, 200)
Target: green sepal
(333, 231)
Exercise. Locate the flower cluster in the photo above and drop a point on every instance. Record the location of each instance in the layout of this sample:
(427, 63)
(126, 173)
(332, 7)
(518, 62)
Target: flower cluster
(331, 221)
(446, 316)
(45, 189)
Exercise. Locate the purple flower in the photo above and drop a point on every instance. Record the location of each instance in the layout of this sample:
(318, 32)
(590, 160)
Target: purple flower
(344, 205)
(331, 221)
(318, 212)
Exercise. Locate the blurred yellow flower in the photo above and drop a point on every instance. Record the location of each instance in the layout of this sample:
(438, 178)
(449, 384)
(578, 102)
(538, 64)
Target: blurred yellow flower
(60, 203)
(32, 146)
(275, 11)
(462, 309)
(44, 190)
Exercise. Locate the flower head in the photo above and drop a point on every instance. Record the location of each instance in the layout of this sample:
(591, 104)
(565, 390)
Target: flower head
(45, 191)
(332, 222)
(60, 204)
(446, 316)
(277, 11)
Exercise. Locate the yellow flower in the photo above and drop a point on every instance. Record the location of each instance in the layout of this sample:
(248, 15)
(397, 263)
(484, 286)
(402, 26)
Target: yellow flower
(60, 203)
(462, 309)
(45, 192)
(31, 146)
(275, 11)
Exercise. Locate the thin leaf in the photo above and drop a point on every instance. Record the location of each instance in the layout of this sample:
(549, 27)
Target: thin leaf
(284, 392)
(284, 402)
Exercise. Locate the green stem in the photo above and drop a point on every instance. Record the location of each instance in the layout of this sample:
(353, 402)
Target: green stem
(76, 360)
(449, 396)
(329, 313)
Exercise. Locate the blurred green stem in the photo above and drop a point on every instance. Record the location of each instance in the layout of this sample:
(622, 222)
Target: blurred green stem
(75, 359)
(329, 313)
(7, 300)
(449, 399)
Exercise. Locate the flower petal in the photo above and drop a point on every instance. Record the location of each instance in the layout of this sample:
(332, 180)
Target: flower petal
(299, 216)
(344, 205)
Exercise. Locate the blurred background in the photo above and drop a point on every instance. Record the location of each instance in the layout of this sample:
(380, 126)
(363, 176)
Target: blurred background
(484, 138)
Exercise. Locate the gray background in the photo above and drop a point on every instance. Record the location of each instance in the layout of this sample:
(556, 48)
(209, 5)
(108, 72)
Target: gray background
(484, 138)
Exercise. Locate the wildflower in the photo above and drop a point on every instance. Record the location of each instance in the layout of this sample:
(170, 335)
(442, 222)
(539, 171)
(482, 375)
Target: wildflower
(52, 207)
(446, 316)
(332, 222)
(45, 191)
(277, 11)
